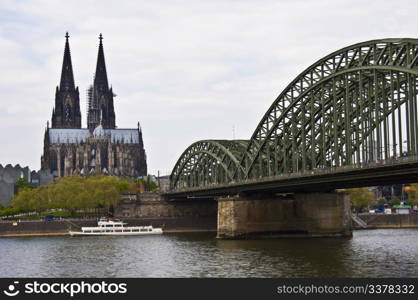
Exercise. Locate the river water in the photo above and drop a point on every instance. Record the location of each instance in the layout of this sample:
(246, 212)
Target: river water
(370, 253)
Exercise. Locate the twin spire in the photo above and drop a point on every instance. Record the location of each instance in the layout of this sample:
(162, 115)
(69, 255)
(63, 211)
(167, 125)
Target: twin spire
(67, 76)
(100, 97)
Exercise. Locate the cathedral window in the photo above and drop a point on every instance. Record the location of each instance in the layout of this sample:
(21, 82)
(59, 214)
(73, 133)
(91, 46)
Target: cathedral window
(67, 113)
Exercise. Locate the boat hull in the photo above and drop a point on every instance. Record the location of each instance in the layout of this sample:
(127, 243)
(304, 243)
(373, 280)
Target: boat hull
(80, 233)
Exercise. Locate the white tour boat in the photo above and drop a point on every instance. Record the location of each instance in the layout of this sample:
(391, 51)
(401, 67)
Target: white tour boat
(110, 226)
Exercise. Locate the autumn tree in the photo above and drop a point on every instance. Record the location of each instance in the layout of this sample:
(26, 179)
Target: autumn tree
(412, 191)
(360, 197)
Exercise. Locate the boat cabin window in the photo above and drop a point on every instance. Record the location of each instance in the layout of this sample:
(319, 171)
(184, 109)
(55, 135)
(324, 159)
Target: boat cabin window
(109, 225)
(97, 231)
(118, 225)
(135, 230)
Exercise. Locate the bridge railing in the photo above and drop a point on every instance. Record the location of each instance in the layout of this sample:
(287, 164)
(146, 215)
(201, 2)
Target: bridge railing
(314, 172)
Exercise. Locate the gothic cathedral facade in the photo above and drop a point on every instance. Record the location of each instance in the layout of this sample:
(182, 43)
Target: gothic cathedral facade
(101, 148)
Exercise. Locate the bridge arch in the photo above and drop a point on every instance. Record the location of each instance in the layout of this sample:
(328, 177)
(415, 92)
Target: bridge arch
(207, 162)
(354, 106)
(314, 114)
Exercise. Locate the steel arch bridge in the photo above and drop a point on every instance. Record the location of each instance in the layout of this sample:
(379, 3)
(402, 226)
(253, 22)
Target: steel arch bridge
(353, 108)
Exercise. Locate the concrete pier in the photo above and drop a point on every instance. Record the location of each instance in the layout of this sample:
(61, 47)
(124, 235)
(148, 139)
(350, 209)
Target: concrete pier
(265, 216)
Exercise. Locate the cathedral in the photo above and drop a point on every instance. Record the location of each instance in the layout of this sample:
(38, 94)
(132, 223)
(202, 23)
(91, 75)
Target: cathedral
(101, 148)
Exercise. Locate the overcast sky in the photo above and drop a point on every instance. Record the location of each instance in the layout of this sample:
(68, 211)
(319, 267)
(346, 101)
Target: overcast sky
(186, 70)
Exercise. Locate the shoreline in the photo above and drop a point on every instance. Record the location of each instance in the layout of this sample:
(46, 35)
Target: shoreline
(170, 225)
(167, 231)
(62, 227)
(45, 234)
(386, 227)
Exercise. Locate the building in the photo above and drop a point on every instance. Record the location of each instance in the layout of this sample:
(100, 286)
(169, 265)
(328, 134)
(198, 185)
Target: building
(9, 175)
(101, 148)
(403, 209)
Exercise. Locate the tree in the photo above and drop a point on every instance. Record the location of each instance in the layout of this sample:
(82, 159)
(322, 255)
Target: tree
(412, 191)
(122, 185)
(72, 193)
(23, 200)
(148, 184)
(21, 183)
(381, 201)
(395, 201)
(360, 197)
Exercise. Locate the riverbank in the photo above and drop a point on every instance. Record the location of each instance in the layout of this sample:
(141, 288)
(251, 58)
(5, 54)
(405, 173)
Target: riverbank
(391, 221)
(29, 228)
(32, 228)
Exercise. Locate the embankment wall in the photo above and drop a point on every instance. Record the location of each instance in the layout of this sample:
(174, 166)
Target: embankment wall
(390, 221)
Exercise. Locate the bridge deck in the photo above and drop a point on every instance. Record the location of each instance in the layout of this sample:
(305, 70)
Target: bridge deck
(314, 181)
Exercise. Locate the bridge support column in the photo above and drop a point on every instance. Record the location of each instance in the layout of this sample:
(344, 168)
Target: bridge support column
(306, 215)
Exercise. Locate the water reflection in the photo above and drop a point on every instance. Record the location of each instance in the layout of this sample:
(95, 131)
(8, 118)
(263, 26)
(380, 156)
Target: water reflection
(370, 253)
(294, 257)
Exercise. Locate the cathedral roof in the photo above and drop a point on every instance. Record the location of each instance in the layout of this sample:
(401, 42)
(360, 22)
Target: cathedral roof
(124, 136)
(68, 136)
(75, 136)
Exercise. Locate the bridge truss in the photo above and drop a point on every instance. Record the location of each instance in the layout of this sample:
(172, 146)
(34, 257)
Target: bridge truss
(354, 107)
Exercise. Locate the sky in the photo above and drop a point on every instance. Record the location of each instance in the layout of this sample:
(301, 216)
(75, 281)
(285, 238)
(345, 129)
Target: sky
(186, 70)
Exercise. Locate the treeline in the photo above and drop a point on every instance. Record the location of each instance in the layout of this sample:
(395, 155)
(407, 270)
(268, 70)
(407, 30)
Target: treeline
(72, 193)
(363, 198)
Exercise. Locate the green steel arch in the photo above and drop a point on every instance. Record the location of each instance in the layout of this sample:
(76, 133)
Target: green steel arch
(355, 106)
(208, 162)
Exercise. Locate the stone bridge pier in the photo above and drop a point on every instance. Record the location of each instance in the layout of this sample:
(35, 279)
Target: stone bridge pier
(271, 216)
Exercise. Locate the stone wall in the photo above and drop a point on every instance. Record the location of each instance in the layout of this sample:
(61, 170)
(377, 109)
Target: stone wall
(13, 228)
(390, 221)
(9, 175)
(150, 204)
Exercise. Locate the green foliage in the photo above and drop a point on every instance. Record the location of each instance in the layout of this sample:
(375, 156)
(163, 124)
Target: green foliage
(148, 184)
(382, 201)
(21, 184)
(395, 201)
(123, 186)
(7, 211)
(360, 197)
(72, 193)
(412, 191)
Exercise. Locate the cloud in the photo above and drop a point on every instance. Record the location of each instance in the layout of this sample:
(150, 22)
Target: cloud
(187, 70)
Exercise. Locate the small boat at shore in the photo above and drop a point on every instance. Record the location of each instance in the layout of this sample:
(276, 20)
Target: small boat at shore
(110, 226)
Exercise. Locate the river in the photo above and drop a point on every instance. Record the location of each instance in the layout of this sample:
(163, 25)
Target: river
(370, 253)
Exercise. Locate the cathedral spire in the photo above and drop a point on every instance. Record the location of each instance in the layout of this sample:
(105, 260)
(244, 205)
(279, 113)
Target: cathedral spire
(67, 77)
(66, 113)
(100, 78)
(100, 109)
